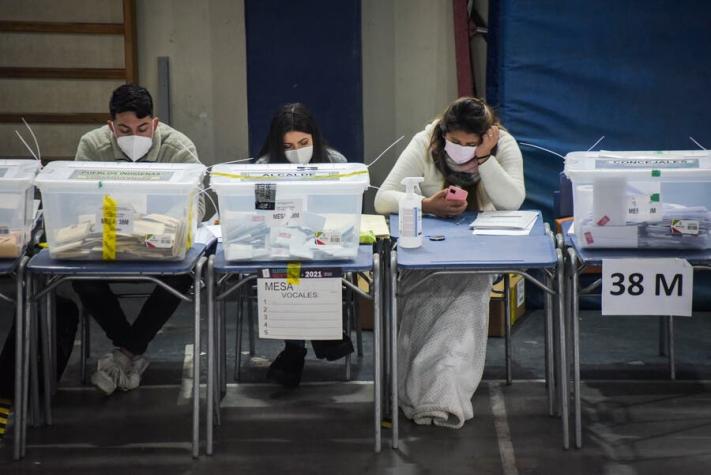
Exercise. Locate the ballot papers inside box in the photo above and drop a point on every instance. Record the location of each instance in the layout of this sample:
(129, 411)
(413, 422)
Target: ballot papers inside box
(16, 205)
(276, 212)
(658, 200)
(120, 211)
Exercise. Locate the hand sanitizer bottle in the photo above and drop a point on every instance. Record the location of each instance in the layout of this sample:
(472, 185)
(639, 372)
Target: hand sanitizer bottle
(410, 215)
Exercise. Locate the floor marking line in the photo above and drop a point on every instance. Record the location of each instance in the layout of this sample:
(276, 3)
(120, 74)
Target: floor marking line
(186, 387)
(503, 432)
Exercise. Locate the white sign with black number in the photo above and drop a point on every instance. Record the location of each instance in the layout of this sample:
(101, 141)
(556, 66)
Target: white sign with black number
(300, 309)
(647, 287)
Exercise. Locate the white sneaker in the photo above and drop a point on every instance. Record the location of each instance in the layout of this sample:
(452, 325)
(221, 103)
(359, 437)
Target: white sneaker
(133, 375)
(111, 371)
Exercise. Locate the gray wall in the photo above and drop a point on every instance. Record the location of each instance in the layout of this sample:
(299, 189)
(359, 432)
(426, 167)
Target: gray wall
(409, 74)
(205, 42)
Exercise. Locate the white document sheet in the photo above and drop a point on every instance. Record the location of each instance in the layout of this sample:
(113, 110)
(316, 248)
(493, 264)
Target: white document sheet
(504, 223)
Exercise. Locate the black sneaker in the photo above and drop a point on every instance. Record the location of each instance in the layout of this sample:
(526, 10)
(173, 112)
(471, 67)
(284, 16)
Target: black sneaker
(288, 366)
(333, 349)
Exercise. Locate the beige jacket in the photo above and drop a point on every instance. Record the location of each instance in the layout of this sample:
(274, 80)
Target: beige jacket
(501, 186)
(169, 146)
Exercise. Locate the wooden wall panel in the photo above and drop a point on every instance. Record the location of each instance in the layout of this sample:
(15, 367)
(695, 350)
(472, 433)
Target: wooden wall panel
(99, 11)
(59, 63)
(55, 95)
(61, 50)
(55, 140)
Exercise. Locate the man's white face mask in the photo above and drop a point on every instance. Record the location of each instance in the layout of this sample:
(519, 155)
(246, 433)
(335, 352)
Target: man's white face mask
(135, 146)
(301, 155)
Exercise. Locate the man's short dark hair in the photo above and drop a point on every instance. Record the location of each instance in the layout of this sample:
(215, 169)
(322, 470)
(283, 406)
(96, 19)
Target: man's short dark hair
(131, 98)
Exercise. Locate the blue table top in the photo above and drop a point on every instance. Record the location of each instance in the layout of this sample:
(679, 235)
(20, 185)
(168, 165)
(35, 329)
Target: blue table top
(43, 264)
(457, 226)
(595, 256)
(462, 250)
(480, 252)
(362, 262)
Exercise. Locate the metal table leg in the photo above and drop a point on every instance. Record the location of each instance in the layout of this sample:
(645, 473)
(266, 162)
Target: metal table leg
(46, 350)
(550, 377)
(209, 416)
(52, 325)
(563, 361)
(384, 251)
(34, 358)
(507, 328)
(672, 356)
(238, 338)
(196, 357)
(663, 337)
(27, 362)
(393, 350)
(575, 339)
(19, 358)
(377, 353)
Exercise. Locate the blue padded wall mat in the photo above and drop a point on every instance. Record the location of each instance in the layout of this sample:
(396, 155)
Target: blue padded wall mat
(562, 74)
(307, 51)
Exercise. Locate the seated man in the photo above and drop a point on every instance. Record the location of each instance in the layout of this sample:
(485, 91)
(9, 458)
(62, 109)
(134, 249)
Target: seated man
(133, 134)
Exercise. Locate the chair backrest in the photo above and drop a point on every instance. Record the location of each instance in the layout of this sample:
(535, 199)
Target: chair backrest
(565, 197)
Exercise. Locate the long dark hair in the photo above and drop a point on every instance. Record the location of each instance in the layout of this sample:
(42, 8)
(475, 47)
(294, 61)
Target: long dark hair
(288, 118)
(466, 114)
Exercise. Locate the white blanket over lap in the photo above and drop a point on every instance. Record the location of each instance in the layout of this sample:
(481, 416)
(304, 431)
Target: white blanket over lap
(442, 346)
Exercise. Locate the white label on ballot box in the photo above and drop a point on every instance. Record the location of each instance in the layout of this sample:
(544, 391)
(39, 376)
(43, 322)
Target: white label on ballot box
(300, 309)
(124, 219)
(647, 287)
(286, 213)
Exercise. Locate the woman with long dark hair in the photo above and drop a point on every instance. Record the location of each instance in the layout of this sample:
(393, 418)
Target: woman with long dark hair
(443, 332)
(294, 137)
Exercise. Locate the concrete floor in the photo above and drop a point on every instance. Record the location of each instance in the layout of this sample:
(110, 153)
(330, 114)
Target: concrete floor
(631, 426)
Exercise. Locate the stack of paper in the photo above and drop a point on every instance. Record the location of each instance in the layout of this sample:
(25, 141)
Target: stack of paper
(504, 223)
(152, 237)
(376, 224)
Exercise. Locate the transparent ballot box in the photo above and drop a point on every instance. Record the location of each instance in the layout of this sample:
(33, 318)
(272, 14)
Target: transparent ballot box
(16, 205)
(290, 212)
(657, 200)
(120, 210)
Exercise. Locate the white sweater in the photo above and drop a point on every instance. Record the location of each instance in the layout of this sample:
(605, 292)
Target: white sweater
(501, 186)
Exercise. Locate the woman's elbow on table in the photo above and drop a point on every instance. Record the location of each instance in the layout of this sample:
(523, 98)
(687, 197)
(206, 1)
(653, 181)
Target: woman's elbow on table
(385, 202)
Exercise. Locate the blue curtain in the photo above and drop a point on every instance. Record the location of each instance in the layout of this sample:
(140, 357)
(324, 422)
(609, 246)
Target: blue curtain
(307, 51)
(562, 74)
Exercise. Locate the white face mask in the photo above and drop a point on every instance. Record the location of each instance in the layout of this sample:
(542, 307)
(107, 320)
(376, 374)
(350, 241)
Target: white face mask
(300, 155)
(459, 153)
(135, 146)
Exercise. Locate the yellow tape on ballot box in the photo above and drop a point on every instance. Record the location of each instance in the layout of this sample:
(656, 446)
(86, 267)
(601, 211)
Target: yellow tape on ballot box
(108, 242)
(293, 273)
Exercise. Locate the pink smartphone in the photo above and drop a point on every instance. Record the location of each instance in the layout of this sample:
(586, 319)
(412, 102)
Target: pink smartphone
(456, 193)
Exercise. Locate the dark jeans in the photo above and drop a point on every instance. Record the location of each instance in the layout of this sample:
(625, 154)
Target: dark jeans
(67, 317)
(103, 305)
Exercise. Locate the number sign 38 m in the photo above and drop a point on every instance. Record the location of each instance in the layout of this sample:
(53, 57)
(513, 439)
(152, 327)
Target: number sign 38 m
(647, 287)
